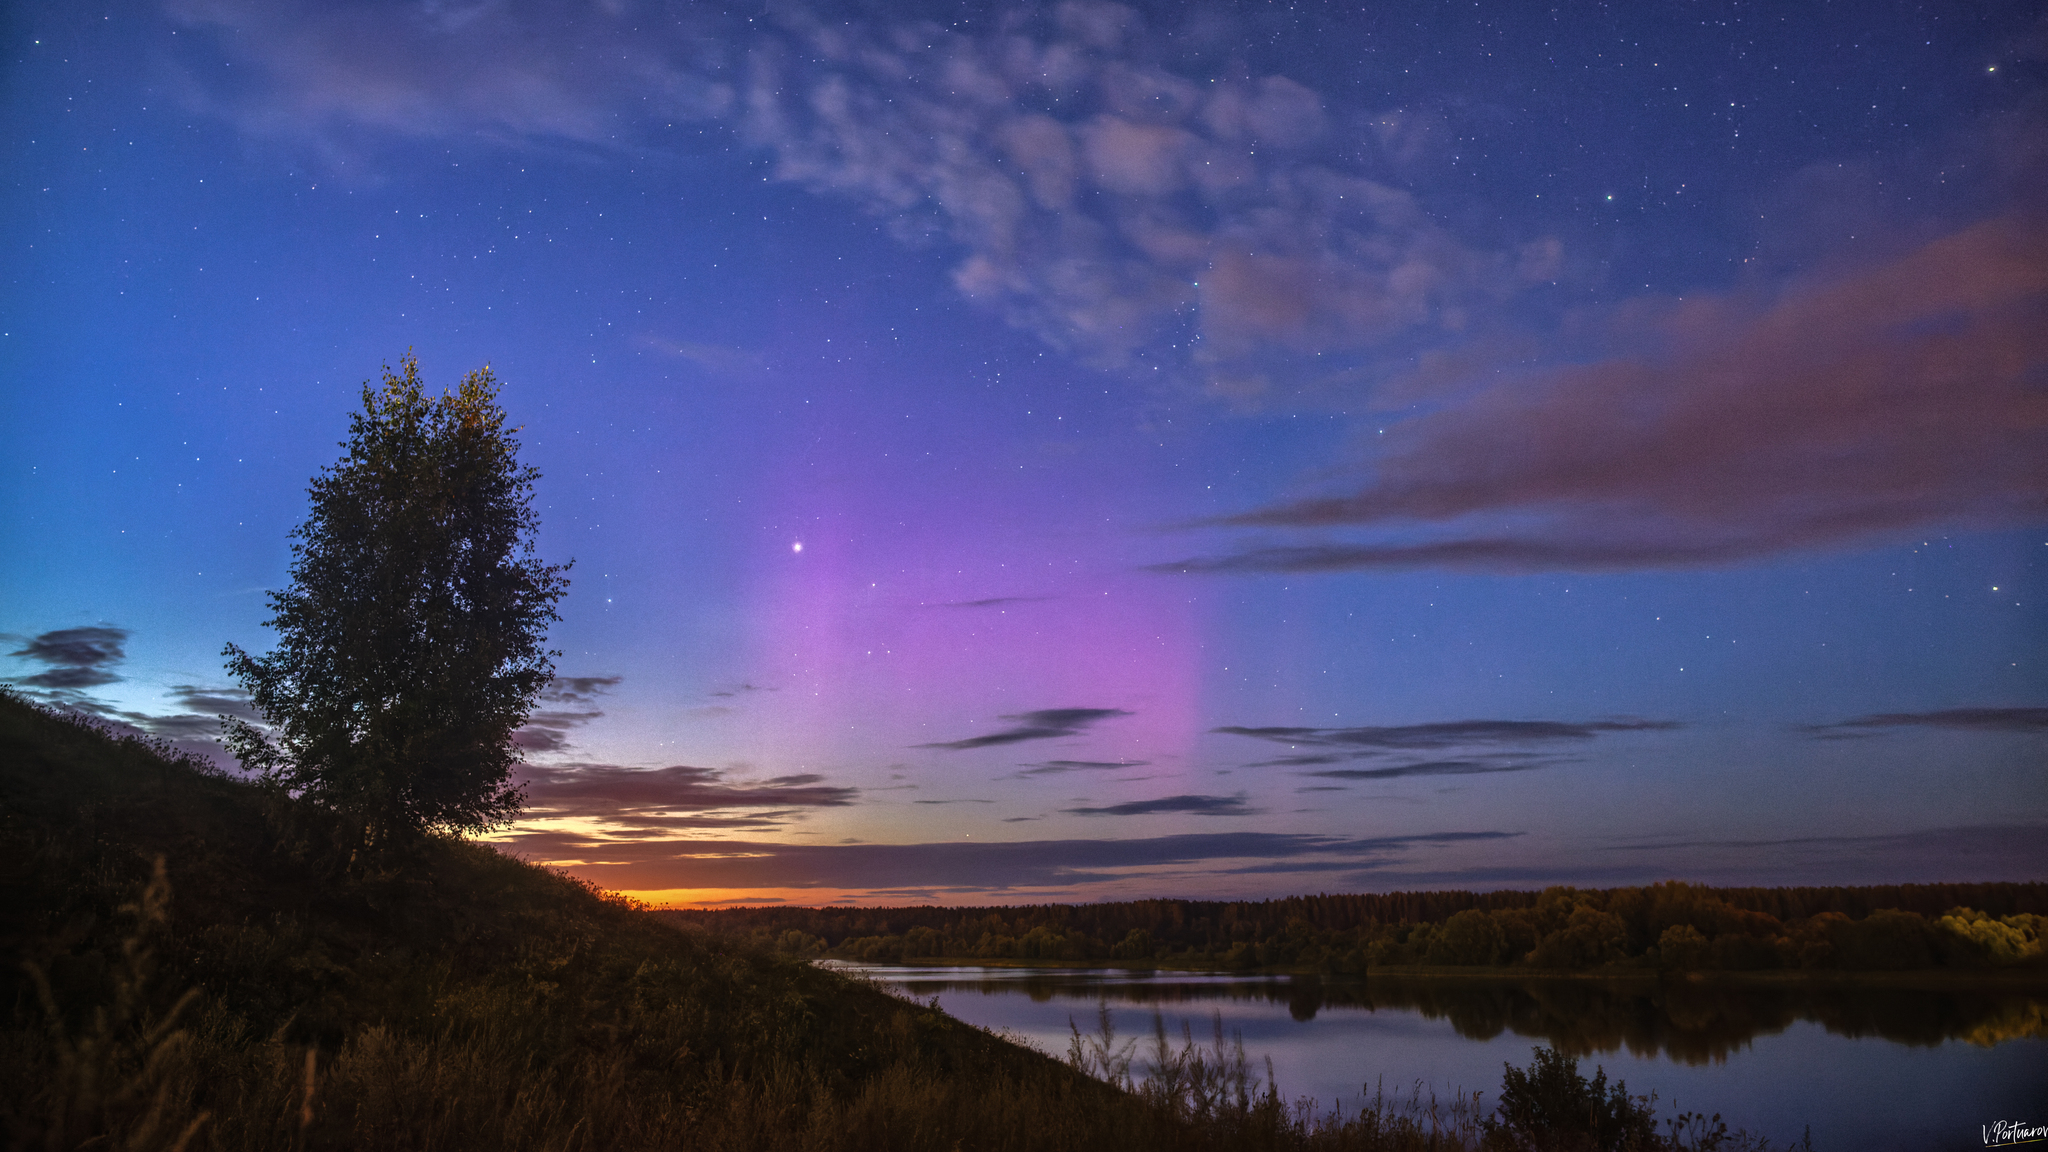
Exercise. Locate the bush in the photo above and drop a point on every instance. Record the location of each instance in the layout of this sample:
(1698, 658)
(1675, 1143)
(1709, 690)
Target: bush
(1551, 1108)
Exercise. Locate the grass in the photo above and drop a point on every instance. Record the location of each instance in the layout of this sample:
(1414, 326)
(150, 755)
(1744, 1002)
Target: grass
(192, 976)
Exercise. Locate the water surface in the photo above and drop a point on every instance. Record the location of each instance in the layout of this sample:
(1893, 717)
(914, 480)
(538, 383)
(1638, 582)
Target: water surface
(1867, 1068)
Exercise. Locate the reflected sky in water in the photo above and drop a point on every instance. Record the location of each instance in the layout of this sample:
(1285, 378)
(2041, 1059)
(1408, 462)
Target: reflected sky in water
(1867, 1068)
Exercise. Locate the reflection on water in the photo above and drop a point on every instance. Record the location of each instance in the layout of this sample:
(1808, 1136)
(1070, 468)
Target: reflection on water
(1866, 1068)
(1688, 1022)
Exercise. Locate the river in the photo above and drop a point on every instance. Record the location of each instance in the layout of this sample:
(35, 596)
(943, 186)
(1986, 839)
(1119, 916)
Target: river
(1866, 1068)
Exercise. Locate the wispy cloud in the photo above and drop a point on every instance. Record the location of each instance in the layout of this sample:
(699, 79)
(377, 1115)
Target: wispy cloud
(1192, 804)
(578, 689)
(547, 730)
(713, 358)
(1165, 212)
(992, 602)
(643, 801)
(1947, 835)
(2013, 851)
(739, 690)
(1440, 768)
(1057, 767)
(1723, 427)
(76, 658)
(1045, 724)
(197, 728)
(1244, 233)
(661, 862)
(217, 701)
(1450, 734)
(1481, 555)
(1965, 719)
(1460, 747)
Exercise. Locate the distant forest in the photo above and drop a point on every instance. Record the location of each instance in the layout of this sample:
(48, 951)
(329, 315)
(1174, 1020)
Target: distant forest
(1670, 926)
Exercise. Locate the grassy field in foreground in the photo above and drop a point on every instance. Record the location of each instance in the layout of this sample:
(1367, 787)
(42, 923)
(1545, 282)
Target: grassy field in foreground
(192, 976)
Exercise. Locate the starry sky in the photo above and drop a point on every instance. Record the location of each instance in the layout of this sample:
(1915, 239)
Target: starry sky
(1081, 451)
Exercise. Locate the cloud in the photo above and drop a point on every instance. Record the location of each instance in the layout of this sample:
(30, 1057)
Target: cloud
(548, 730)
(713, 357)
(1450, 734)
(1198, 805)
(215, 701)
(198, 727)
(1467, 737)
(743, 688)
(1882, 838)
(195, 731)
(658, 863)
(963, 801)
(1966, 719)
(80, 658)
(1718, 428)
(1240, 232)
(675, 797)
(77, 657)
(1171, 213)
(993, 602)
(1055, 767)
(1481, 555)
(577, 689)
(2016, 851)
(1045, 724)
(1436, 768)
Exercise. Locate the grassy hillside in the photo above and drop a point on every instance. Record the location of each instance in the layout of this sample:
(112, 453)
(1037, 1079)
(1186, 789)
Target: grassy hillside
(192, 976)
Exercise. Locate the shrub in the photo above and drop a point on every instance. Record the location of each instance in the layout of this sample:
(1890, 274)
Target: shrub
(1551, 1108)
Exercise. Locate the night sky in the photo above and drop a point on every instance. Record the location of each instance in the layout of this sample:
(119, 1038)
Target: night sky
(1083, 452)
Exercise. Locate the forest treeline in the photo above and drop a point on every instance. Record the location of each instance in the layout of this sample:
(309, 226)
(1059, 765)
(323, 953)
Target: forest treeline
(1668, 926)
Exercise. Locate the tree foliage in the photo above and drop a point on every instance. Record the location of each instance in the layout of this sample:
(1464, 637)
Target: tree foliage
(1671, 926)
(411, 637)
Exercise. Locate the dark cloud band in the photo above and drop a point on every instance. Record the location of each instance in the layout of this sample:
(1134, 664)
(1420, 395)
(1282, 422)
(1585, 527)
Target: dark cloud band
(1434, 768)
(1963, 719)
(1045, 724)
(1191, 804)
(77, 657)
(663, 863)
(1450, 734)
(614, 792)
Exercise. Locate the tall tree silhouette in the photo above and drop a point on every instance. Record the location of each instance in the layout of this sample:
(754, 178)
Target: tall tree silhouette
(411, 638)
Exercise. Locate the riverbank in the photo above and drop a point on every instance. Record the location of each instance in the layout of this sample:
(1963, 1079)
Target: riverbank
(2018, 979)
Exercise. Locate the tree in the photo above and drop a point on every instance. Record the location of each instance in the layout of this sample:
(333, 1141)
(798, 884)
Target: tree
(410, 640)
(1469, 937)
